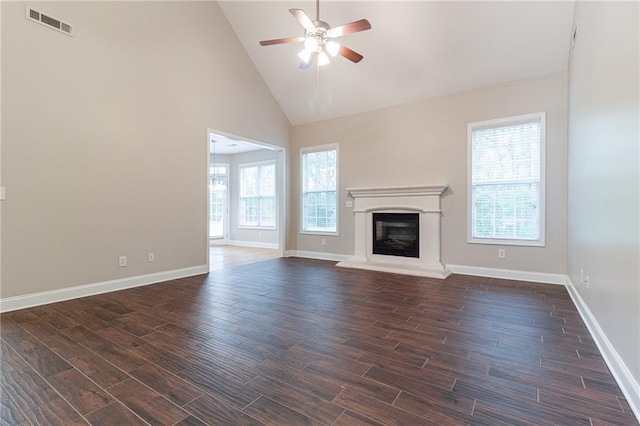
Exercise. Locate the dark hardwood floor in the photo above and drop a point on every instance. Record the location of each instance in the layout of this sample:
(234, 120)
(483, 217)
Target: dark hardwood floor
(296, 341)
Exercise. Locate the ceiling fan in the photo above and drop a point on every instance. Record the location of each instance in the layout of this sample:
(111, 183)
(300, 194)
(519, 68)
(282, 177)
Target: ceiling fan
(318, 38)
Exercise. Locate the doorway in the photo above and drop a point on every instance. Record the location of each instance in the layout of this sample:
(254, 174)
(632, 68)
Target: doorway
(243, 210)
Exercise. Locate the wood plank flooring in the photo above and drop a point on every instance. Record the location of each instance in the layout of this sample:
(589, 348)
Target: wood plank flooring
(298, 341)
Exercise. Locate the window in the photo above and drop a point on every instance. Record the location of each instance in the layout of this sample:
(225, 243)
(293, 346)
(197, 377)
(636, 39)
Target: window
(258, 195)
(506, 180)
(319, 183)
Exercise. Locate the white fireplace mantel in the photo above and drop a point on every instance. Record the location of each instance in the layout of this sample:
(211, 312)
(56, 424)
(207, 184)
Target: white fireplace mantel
(397, 191)
(421, 199)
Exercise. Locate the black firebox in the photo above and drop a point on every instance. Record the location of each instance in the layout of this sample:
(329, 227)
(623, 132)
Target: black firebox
(396, 234)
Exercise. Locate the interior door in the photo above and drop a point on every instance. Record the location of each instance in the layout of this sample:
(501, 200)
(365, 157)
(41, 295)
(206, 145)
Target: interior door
(218, 209)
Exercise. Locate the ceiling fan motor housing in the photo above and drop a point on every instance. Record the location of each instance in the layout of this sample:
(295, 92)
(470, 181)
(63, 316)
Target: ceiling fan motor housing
(319, 36)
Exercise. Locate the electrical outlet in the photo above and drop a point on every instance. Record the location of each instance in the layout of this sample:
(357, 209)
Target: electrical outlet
(259, 233)
(324, 241)
(349, 203)
(584, 278)
(122, 261)
(152, 257)
(502, 254)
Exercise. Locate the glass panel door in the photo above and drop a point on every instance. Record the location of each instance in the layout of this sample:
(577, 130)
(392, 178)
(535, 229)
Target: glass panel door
(218, 188)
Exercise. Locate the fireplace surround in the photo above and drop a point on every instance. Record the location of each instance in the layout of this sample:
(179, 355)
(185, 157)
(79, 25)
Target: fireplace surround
(420, 200)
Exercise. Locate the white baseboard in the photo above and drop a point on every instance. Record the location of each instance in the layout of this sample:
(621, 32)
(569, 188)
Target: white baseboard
(254, 244)
(317, 255)
(35, 299)
(509, 274)
(629, 386)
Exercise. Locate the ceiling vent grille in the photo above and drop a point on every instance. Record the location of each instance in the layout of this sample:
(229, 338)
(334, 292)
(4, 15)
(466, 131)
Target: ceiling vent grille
(48, 21)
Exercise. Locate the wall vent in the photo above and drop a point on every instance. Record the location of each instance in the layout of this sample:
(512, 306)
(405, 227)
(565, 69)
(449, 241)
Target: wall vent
(48, 21)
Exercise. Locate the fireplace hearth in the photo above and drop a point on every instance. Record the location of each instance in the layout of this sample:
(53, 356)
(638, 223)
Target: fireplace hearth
(396, 234)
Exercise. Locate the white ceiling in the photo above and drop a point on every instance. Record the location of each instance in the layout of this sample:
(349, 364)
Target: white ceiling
(228, 145)
(415, 50)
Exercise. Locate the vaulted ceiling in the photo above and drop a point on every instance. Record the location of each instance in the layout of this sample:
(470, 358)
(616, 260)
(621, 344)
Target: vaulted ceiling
(414, 50)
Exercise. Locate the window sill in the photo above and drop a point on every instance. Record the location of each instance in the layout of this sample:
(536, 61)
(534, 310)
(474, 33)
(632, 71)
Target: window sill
(260, 228)
(497, 242)
(328, 233)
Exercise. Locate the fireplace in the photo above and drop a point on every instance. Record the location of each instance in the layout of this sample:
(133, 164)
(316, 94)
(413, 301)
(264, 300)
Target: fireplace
(397, 230)
(396, 234)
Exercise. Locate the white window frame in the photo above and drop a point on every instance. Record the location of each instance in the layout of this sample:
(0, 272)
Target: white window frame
(258, 164)
(319, 148)
(504, 122)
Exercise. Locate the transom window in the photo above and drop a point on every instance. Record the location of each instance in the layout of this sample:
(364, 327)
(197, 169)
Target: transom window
(319, 183)
(506, 180)
(258, 195)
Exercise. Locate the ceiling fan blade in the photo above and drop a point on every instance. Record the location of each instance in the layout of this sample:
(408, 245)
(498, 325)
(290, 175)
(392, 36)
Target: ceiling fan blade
(307, 65)
(281, 41)
(352, 27)
(304, 20)
(350, 54)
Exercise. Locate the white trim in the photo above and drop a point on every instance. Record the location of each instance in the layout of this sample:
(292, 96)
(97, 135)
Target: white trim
(35, 299)
(317, 255)
(629, 386)
(326, 233)
(392, 208)
(397, 191)
(509, 274)
(258, 228)
(496, 241)
(255, 244)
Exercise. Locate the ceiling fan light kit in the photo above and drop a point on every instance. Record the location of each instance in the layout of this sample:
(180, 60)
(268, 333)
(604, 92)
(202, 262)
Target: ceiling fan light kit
(318, 43)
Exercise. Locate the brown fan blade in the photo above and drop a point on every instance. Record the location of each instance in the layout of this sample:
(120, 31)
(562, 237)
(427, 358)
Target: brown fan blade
(304, 20)
(281, 41)
(350, 54)
(307, 65)
(345, 29)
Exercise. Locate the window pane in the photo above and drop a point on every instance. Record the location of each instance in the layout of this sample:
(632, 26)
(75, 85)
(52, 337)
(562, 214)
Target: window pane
(268, 180)
(248, 181)
(268, 211)
(507, 153)
(507, 211)
(320, 170)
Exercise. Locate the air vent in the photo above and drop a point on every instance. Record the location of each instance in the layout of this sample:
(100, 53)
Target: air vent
(48, 21)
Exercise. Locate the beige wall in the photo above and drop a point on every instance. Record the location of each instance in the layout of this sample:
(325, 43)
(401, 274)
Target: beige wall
(104, 137)
(604, 177)
(426, 143)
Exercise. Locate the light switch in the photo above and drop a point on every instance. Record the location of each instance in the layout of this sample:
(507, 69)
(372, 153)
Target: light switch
(349, 203)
